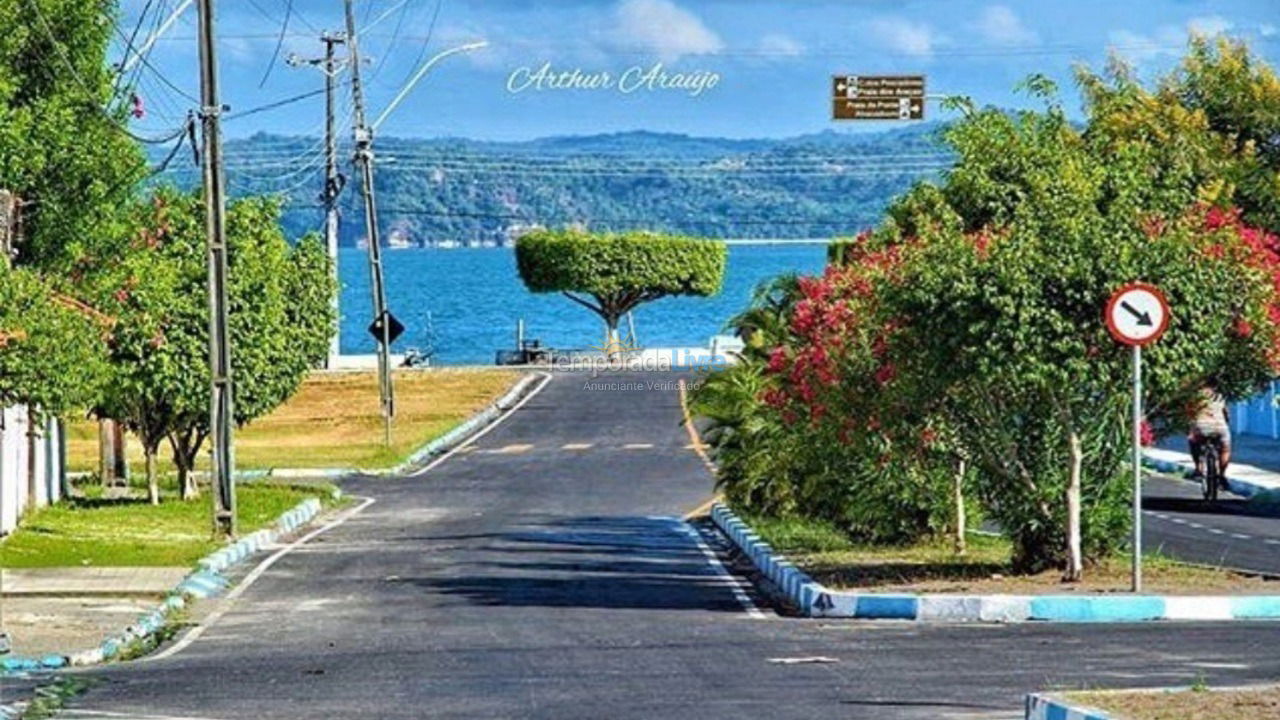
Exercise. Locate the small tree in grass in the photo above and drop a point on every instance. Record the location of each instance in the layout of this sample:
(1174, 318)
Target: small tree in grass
(279, 323)
(610, 274)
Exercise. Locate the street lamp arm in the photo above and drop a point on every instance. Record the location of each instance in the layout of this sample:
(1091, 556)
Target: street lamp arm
(423, 71)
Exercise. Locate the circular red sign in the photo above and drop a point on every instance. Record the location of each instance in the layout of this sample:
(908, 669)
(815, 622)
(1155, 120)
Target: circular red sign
(1137, 314)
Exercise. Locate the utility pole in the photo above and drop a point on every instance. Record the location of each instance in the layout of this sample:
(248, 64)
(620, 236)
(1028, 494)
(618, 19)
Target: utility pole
(333, 181)
(220, 398)
(364, 158)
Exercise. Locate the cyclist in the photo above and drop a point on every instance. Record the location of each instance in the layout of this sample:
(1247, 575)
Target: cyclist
(1211, 420)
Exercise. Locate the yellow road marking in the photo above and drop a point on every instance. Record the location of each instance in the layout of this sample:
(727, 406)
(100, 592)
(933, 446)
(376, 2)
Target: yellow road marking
(704, 508)
(694, 439)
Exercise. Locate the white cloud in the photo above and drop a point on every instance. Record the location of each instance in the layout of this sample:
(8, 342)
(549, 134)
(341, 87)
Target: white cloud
(1266, 30)
(1208, 26)
(1166, 40)
(999, 25)
(664, 28)
(904, 36)
(778, 44)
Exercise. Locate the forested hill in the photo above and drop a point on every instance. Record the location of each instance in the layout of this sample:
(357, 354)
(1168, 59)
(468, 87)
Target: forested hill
(457, 191)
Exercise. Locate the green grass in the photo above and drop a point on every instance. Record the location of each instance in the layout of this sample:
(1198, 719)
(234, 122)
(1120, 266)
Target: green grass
(931, 565)
(334, 420)
(100, 532)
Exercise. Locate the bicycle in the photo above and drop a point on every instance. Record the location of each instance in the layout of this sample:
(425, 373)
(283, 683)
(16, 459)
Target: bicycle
(1211, 479)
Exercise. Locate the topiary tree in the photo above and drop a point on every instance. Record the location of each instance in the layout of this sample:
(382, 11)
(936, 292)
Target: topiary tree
(279, 324)
(618, 271)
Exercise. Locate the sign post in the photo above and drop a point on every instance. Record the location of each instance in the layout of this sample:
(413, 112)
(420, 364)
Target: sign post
(1137, 315)
(877, 97)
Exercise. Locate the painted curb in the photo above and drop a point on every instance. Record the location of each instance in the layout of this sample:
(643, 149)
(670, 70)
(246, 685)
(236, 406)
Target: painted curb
(1045, 707)
(813, 599)
(204, 581)
(462, 431)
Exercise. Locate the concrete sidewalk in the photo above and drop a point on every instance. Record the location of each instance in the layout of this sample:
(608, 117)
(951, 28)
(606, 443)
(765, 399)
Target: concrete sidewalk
(48, 610)
(90, 581)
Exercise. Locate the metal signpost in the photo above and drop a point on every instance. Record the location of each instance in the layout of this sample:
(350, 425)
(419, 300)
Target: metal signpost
(1137, 315)
(877, 97)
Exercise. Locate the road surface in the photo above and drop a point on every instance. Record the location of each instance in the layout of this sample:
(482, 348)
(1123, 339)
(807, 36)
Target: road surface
(543, 574)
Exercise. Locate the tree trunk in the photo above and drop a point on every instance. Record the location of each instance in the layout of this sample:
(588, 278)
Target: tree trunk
(1075, 563)
(153, 483)
(185, 446)
(960, 520)
(613, 343)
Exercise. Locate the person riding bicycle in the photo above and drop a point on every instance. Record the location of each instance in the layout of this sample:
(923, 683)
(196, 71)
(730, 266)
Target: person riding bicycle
(1211, 421)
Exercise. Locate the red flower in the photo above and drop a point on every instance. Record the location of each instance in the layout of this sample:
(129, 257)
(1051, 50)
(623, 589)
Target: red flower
(1243, 328)
(1146, 435)
(886, 373)
(777, 359)
(122, 295)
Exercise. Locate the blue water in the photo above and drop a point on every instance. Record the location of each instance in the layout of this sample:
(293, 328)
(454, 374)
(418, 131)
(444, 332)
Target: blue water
(473, 298)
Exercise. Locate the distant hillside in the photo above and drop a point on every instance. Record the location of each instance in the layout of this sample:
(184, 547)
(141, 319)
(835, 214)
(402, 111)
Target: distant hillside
(457, 191)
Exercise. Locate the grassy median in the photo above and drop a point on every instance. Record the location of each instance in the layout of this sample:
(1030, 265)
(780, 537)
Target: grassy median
(933, 566)
(1197, 703)
(335, 420)
(124, 532)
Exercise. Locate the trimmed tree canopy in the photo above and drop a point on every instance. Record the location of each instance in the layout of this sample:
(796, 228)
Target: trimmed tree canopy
(619, 270)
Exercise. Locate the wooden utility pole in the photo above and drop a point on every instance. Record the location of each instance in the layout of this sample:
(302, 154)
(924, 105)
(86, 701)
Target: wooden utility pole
(220, 398)
(364, 159)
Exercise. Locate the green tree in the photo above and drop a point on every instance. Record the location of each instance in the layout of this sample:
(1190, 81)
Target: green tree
(618, 271)
(52, 354)
(63, 147)
(279, 323)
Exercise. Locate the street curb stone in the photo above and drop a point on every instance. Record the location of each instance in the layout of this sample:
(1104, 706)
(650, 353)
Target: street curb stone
(204, 581)
(1046, 707)
(816, 600)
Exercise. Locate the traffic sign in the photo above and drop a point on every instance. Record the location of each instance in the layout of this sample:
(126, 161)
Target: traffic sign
(877, 97)
(394, 327)
(1137, 314)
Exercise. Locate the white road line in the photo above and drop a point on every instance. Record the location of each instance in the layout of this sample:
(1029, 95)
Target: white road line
(1216, 531)
(1180, 521)
(637, 446)
(73, 714)
(545, 379)
(1241, 536)
(1272, 542)
(1195, 525)
(736, 584)
(195, 632)
(576, 446)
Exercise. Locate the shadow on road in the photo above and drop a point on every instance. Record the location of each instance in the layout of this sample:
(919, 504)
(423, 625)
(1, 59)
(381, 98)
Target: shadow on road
(597, 562)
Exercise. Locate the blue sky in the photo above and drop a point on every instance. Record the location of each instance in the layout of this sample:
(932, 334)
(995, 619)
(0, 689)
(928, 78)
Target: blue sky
(773, 60)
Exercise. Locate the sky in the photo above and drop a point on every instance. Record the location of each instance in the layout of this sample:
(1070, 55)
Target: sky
(733, 68)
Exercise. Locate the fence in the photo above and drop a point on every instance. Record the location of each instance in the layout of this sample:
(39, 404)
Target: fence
(32, 464)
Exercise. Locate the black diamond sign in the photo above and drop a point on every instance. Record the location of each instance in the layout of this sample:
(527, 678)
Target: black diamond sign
(394, 327)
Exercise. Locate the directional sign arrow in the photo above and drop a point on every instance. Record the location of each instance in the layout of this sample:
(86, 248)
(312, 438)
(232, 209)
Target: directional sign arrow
(1144, 318)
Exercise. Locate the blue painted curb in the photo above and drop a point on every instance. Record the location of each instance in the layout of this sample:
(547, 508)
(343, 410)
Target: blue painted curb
(206, 580)
(813, 599)
(1044, 707)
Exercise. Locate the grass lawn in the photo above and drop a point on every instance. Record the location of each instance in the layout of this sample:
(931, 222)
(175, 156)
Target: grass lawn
(1193, 704)
(96, 531)
(933, 567)
(335, 421)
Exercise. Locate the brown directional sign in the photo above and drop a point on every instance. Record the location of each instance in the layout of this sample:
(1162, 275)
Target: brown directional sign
(877, 97)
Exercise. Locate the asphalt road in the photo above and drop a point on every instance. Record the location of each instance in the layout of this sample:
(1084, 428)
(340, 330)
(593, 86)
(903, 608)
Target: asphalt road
(1228, 533)
(542, 575)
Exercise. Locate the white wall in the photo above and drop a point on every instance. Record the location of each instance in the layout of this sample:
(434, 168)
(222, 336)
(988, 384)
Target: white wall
(15, 479)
